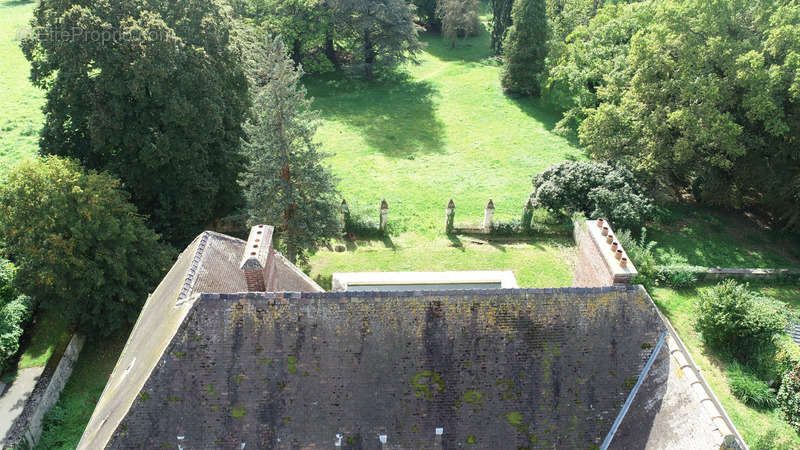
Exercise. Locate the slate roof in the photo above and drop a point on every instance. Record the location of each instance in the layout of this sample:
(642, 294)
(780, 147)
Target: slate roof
(506, 368)
(209, 264)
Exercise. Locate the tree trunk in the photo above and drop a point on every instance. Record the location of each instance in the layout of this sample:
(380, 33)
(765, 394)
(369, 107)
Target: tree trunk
(369, 55)
(297, 51)
(330, 50)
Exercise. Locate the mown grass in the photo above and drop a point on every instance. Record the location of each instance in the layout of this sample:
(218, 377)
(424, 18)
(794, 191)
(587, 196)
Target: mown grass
(754, 424)
(20, 103)
(536, 262)
(65, 422)
(438, 130)
(715, 238)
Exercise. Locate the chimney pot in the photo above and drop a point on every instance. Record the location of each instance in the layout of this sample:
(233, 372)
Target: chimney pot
(623, 262)
(600, 223)
(609, 238)
(604, 232)
(618, 254)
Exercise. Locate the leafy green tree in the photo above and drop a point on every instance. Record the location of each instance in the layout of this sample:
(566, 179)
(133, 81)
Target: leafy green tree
(150, 90)
(459, 18)
(285, 183)
(500, 21)
(594, 189)
(382, 32)
(704, 96)
(79, 245)
(303, 24)
(525, 48)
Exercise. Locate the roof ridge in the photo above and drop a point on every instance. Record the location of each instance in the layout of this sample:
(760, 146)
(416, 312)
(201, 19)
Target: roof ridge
(191, 272)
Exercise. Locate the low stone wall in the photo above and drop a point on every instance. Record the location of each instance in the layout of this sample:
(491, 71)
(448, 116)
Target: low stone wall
(28, 428)
(716, 273)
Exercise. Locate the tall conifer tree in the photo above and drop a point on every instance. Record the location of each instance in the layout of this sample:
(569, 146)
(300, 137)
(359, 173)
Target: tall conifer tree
(285, 183)
(525, 47)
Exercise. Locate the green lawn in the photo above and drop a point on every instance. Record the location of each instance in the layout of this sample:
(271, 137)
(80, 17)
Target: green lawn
(20, 113)
(753, 424)
(711, 238)
(442, 129)
(65, 422)
(439, 130)
(536, 262)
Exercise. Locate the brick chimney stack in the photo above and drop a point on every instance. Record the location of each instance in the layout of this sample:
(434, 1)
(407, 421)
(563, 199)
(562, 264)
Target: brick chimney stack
(258, 259)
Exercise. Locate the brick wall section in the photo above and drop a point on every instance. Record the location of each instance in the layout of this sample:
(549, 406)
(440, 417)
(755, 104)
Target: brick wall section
(496, 366)
(590, 268)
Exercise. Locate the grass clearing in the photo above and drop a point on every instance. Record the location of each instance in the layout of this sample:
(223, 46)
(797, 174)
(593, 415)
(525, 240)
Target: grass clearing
(715, 238)
(754, 425)
(49, 335)
(20, 105)
(536, 262)
(439, 130)
(65, 422)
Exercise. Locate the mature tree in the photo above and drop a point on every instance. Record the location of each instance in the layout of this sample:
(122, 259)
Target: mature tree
(501, 20)
(592, 57)
(285, 182)
(705, 97)
(151, 90)
(525, 48)
(459, 18)
(79, 244)
(594, 189)
(383, 32)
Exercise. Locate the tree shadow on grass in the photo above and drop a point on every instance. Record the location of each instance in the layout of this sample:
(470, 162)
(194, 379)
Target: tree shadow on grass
(542, 111)
(476, 49)
(13, 3)
(395, 114)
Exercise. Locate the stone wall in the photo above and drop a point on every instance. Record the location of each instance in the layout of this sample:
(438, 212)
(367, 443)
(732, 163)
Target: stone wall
(28, 428)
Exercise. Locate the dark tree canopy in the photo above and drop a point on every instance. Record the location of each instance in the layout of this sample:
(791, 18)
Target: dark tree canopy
(285, 183)
(594, 189)
(152, 91)
(500, 21)
(79, 245)
(525, 48)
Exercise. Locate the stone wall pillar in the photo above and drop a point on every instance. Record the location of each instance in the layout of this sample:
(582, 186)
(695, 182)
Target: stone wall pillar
(488, 217)
(384, 215)
(450, 213)
(345, 211)
(527, 216)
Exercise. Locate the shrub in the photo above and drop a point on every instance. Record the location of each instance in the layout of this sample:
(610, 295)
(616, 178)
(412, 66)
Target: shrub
(787, 355)
(595, 189)
(640, 253)
(79, 244)
(677, 277)
(748, 388)
(735, 319)
(789, 398)
(15, 311)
